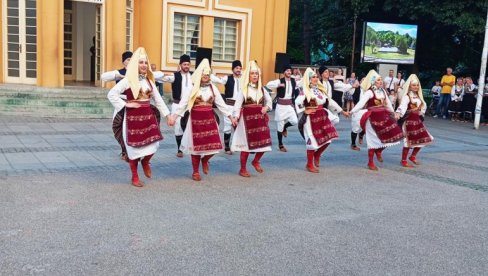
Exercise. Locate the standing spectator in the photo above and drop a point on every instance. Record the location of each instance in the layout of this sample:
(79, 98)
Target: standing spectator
(469, 99)
(457, 93)
(389, 82)
(297, 75)
(349, 95)
(447, 82)
(398, 82)
(339, 76)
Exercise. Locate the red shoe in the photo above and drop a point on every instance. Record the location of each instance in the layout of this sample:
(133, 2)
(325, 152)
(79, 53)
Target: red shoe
(379, 156)
(196, 177)
(146, 167)
(405, 164)
(414, 160)
(205, 167)
(372, 167)
(316, 161)
(311, 169)
(257, 166)
(244, 173)
(137, 183)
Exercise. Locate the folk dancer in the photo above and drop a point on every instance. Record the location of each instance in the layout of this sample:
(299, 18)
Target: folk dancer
(381, 128)
(181, 83)
(412, 109)
(232, 89)
(201, 137)
(252, 133)
(315, 124)
(141, 131)
(285, 115)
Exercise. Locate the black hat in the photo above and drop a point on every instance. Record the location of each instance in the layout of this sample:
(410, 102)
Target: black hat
(184, 58)
(322, 69)
(236, 63)
(286, 67)
(126, 55)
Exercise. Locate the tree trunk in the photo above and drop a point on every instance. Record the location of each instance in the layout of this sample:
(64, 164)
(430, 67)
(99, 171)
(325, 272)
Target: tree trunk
(306, 31)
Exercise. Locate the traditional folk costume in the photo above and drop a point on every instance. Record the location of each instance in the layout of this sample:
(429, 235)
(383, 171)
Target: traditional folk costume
(381, 128)
(141, 133)
(412, 108)
(252, 132)
(232, 89)
(285, 115)
(181, 83)
(456, 104)
(201, 137)
(316, 128)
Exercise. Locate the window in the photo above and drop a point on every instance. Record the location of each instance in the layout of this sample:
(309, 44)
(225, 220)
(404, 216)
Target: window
(186, 35)
(225, 40)
(129, 11)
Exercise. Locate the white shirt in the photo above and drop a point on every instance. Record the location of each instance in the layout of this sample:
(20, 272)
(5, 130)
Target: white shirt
(223, 80)
(274, 84)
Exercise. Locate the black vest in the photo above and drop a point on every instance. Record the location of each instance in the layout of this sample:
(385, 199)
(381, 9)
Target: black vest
(176, 86)
(122, 72)
(281, 91)
(229, 87)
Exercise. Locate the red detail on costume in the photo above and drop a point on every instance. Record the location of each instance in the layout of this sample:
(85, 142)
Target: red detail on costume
(322, 128)
(413, 157)
(405, 153)
(384, 125)
(205, 129)
(415, 130)
(195, 162)
(142, 125)
(257, 129)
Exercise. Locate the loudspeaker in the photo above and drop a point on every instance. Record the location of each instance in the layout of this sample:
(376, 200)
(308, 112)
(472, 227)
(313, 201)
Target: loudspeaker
(282, 60)
(204, 53)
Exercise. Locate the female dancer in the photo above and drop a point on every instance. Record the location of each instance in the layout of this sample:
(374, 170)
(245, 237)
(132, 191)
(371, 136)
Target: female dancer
(141, 133)
(381, 128)
(252, 132)
(201, 137)
(412, 108)
(315, 124)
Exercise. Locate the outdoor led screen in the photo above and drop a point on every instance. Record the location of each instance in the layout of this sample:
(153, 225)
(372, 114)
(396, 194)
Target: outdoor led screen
(389, 43)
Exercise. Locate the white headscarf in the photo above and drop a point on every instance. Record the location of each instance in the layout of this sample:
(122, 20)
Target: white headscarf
(196, 78)
(305, 81)
(406, 88)
(132, 73)
(369, 80)
(252, 66)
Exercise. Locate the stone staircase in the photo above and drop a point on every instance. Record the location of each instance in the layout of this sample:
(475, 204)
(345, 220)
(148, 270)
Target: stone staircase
(67, 102)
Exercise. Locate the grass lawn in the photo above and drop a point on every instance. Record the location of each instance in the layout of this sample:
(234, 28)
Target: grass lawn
(369, 53)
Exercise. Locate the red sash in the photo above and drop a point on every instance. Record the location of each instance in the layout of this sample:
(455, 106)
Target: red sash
(322, 128)
(257, 129)
(415, 130)
(383, 124)
(205, 130)
(142, 125)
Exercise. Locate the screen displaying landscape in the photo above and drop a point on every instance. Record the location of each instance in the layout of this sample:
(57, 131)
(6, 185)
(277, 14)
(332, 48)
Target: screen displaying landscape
(389, 43)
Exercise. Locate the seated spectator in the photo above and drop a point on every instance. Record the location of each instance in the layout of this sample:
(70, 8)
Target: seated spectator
(457, 93)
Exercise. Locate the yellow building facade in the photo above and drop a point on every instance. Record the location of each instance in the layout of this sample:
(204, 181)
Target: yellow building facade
(54, 43)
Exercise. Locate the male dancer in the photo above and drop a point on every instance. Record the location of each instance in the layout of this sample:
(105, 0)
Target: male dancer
(285, 114)
(180, 82)
(232, 87)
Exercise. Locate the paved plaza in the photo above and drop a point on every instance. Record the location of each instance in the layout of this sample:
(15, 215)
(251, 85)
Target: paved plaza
(68, 207)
